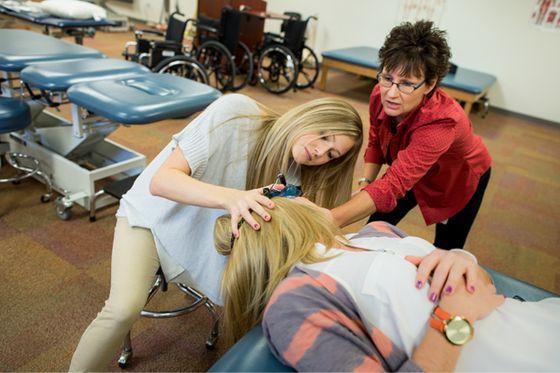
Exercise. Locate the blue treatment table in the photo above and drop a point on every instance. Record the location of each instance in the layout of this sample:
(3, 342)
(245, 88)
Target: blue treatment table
(20, 48)
(103, 93)
(464, 85)
(77, 28)
(251, 353)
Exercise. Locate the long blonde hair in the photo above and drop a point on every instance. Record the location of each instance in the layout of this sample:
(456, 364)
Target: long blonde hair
(259, 260)
(328, 185)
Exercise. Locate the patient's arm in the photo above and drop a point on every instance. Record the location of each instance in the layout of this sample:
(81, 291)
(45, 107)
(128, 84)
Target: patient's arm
(435, 353)
(312, 324)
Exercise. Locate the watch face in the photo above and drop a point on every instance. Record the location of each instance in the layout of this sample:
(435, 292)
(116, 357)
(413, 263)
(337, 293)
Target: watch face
(458, 331)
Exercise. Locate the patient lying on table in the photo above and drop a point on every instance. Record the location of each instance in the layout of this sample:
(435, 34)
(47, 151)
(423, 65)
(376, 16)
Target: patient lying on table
(348, 303)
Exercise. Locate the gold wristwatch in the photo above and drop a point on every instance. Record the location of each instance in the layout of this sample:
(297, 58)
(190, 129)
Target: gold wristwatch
(457, 329)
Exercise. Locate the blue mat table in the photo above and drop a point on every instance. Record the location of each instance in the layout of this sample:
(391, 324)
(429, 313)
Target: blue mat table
(464, 84)
(77, 28)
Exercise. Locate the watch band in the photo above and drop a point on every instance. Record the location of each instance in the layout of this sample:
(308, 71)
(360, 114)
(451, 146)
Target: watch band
(364, 180)
(438, 322)
(456, 329)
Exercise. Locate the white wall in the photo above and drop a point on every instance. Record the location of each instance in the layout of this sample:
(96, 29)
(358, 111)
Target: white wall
(493, 36)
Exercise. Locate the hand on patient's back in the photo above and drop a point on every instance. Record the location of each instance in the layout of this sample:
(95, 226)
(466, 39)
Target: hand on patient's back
(240, 203)
(448, 271)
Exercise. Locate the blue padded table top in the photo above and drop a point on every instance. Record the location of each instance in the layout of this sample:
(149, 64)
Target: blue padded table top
(61, 75)
(20, 48)
(48, 20)
(361, 56)
(143, 99)
(250, 354)
(471, 81)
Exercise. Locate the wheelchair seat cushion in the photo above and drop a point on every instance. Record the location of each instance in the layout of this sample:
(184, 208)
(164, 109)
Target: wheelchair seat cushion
(14, 115)
(20, 48)
(59, 76)
(143, 99)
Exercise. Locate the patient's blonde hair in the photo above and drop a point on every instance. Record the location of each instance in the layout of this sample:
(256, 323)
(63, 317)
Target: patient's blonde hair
(259, 260)
(328, 185)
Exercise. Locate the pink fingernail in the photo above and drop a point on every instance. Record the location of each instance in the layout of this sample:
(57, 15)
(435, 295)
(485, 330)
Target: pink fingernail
(267, 218)
(449, 289)
(256, 226)
(419, 284)
(433, 297)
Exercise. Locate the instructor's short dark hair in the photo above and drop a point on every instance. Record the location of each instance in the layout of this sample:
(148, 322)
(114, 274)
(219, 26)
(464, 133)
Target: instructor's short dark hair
(416, 49)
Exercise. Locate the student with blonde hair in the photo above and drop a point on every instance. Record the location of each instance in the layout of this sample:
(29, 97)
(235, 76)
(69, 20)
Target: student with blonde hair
(220, 161)
(333, 303)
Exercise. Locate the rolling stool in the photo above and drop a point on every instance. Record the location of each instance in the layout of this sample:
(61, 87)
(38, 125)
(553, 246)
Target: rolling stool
(117, 189)
(15, 116)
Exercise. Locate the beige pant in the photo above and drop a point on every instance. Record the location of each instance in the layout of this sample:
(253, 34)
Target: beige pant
(134, 264)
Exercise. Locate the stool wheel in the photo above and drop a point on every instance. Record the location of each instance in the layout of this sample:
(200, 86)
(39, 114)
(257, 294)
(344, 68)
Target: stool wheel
(45, 198)
(126, 354)
(92, 219)
(16, 182)
(210, 345)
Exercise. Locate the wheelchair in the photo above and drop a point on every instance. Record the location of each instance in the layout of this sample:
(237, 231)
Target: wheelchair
(284, 61)
(166, 54)
(227, 60)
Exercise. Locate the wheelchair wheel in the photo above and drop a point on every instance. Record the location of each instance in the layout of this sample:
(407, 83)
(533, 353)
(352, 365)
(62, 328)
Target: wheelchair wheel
(183, 66)
(243, 67)
(277, 69)
(308, 68)
(218, 63)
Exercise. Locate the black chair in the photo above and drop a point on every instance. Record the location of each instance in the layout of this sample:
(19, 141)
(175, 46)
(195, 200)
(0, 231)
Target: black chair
(166, 54)
(285, 62)
(228, 61)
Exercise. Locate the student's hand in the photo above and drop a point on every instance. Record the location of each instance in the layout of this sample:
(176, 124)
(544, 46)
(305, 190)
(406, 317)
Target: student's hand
(474, 306)
(240, 203)
(449, 269)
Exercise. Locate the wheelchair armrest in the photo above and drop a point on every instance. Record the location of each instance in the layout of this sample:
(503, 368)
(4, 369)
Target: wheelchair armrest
(207, 28)
(270, 36)
(140, 33)
(129, 44)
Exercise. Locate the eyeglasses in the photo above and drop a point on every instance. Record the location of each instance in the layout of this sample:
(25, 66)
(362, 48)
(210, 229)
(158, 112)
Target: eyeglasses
(406, 88)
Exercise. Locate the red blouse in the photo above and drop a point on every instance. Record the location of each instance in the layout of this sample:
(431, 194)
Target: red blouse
(434, 152)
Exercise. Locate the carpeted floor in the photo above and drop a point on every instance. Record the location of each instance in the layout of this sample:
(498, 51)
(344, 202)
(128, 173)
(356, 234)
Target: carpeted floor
(54, 275)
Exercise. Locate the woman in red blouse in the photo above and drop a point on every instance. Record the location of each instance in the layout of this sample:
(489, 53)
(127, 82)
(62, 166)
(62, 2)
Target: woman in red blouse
(435, 160)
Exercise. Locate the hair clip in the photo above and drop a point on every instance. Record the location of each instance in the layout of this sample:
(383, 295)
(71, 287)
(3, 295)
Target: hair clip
(289, 191)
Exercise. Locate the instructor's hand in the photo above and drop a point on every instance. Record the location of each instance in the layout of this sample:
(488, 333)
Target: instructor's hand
(449, 270)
